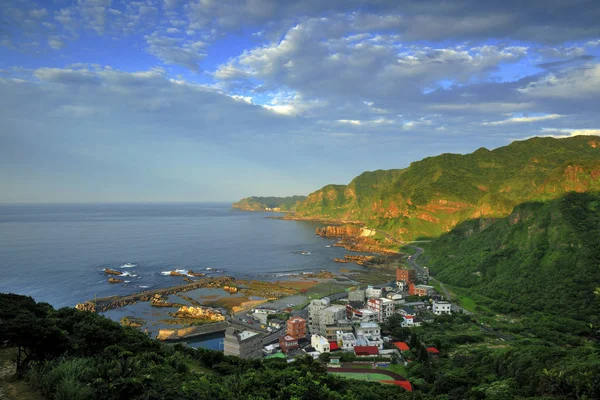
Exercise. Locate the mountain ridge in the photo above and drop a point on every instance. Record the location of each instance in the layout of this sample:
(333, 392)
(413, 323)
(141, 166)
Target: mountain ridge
(435, 194)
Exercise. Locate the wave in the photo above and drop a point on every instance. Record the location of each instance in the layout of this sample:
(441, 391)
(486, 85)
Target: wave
(128, 274)
(128, 265)
(179, 271)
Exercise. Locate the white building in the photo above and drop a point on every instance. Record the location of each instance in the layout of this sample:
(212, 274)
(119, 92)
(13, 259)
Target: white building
(368, 329)
(410, 321)
(357, 295)
(346, 341)
(442, 307)
(373, 293)
(384, 308)
(365, 315)
(320, 343)
(314, 314)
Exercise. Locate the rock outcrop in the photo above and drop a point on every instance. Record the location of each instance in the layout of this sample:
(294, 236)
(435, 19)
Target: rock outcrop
(199, 313)
(342, 231)
(115, 280)
(87, 306)
(108, 271)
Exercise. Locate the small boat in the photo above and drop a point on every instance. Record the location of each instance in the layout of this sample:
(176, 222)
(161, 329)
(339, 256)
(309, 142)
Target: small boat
(305, 253)
(328, 245)
(128, 265)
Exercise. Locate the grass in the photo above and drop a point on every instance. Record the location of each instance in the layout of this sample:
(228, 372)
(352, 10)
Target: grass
(397, 368)
(363, 376)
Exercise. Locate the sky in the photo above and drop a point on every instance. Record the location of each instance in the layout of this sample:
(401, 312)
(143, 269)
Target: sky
(215, 100)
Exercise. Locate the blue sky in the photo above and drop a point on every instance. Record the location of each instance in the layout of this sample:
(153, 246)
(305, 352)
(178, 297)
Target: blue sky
(206, 100)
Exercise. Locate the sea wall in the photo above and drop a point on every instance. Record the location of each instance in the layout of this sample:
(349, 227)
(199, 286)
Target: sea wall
(184, 333)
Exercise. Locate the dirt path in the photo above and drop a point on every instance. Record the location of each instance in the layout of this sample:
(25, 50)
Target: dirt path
(7, 369)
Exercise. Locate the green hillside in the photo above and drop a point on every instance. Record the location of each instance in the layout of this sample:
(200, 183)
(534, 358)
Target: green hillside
(266, 203)
(435, 194)
(543, 257)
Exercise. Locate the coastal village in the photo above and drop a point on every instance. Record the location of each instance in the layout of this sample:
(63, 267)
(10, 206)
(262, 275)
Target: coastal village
(343, 328)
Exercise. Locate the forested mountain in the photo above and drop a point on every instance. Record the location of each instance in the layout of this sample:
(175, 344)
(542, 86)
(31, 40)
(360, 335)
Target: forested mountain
(265, 203)
(433, 195)
(543, 257)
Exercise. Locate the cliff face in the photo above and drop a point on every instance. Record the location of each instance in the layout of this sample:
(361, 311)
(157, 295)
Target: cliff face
(433, 195)
(278, 204)
(343, 231)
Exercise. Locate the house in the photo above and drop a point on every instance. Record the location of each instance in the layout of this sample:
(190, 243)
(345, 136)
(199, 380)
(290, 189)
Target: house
(420, 290)
(384, 308)
(442, 307)
(344, 326)
(402, 346)
(366, 351)
(433, 351)
(357, 295)
(373, 292)
(320, 344)
(333, 345)
(346, 341)
(244, 344)
(276, 323)
(368, 329)
(296, 327)
(407, 311)
(287, 343)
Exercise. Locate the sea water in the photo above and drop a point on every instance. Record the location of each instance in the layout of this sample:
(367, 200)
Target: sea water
(56, 253)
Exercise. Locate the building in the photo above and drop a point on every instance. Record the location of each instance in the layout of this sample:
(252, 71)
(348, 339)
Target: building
(395, 297)
(402, 346)
(320, 317)
(368, 329)
(364, 315)
(384, 308)
(314, 314)
(332, 330)
(407, 311)
(320, 344)
(420, 290)
(411, 321)
(366, 351)
(357, 295)
(406, 275)
(244, 344)
(346, 341)
(288, 343)
(296, 327)
(373, 293)
(441, 307)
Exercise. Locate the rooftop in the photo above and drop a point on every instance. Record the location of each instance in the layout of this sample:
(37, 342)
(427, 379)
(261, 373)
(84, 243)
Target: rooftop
(247, 334)
(369, 325)
(402, 346)
(366, 350)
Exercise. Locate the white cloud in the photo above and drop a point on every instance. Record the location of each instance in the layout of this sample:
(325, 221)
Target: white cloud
(574, 83)
(518, 120)
(39, 13)
(56, 43)
(565, 132)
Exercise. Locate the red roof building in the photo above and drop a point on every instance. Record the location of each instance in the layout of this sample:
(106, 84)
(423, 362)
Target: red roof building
(288, 343)
(402, 346)
(433, 350)
(366, 351)
(333, 346)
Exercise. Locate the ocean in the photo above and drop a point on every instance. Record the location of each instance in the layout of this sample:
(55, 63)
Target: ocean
(56, 253)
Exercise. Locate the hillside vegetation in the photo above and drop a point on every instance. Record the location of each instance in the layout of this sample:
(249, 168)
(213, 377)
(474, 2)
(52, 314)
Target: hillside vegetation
(68, 354)
(543, 257)
(433, 195)
(264, 203)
